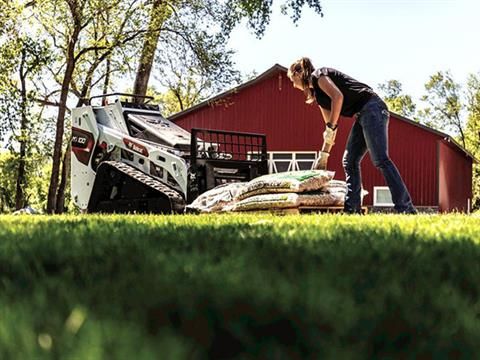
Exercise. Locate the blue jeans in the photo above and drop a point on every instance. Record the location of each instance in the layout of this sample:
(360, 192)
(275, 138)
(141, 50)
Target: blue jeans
(369, 132)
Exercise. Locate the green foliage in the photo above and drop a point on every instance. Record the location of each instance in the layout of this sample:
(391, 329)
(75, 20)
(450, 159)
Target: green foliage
(476, 187)
(37, 168)
(444, 105)
(192, 60)
(445, 112)
(193, 71)
(11, 10)
(397, 101)
(257, 12)
(25, 58)
(10, 112)
(244, 286)
(107, 47)
(169, 101)
(10, 50)
(8, 166)
(472, 132)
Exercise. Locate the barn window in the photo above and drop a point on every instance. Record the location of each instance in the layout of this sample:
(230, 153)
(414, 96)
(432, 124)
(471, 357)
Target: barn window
(280, 161)
(382, 196)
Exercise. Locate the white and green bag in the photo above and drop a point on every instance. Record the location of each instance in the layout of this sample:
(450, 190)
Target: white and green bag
(286, 182)
(289, 200)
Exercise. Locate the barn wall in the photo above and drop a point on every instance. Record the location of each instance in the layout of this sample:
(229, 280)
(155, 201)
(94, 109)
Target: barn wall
(414, 152)
(455, 179)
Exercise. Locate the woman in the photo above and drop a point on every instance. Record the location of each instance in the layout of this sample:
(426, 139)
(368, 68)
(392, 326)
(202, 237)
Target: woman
(339, 94)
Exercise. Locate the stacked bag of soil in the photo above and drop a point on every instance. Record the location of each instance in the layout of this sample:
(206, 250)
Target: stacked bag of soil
(286, 190)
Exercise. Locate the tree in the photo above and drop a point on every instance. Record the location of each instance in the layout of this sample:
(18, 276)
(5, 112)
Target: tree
(72, 14)
(445, 105)
(191, 21)
(187, 81)
(472, 132)
(445, 112)
(160, 12)
(169, 102)
(397, 101)
(11, 9)
(22, 58)
(102, 41)
(7, 181)
(34, 55)
(9, 52)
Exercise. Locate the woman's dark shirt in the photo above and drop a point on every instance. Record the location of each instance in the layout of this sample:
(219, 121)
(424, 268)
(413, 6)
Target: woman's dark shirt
(355, 93)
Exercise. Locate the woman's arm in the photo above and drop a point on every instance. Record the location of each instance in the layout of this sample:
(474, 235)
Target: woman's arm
(330, 116)
(336, 96)
(326, 147)
(325, 114)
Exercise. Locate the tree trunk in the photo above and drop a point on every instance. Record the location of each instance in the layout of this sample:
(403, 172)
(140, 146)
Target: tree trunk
(106, 84)
(57, 150)
(87, 86)
(461, 130)
(5, 200)
(157, 17)
(21, 178)
(60, 206)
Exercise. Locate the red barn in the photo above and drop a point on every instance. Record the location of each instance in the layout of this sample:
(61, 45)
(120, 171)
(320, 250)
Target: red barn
(436, 170)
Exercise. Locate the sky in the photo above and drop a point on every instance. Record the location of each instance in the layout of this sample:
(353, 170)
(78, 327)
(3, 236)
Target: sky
(372, 40)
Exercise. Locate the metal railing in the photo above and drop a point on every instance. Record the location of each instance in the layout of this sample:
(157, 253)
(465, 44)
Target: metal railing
(227, 145)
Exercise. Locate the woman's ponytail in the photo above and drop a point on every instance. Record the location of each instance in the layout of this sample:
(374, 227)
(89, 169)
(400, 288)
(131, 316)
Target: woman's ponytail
(307, 70)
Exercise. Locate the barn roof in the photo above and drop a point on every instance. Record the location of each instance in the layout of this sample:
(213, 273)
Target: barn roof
(279, 68)
(274, 69)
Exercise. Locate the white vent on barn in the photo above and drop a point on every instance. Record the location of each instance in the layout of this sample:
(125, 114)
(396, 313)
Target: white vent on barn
(382, 196)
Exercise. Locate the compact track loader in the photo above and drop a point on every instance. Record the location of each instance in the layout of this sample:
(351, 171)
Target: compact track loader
(127, 158)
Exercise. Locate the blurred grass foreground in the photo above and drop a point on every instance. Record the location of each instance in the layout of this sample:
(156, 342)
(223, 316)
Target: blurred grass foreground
(239, 286)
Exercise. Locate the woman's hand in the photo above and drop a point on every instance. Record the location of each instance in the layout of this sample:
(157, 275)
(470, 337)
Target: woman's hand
(321, 162)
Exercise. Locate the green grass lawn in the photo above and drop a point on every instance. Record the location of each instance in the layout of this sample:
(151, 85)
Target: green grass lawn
(239, 286)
